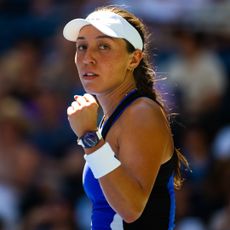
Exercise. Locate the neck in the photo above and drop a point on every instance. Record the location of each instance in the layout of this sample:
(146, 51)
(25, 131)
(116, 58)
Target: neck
(110, 100)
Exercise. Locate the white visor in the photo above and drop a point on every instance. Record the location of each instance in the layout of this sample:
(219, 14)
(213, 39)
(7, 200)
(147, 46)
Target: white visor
(108, 23)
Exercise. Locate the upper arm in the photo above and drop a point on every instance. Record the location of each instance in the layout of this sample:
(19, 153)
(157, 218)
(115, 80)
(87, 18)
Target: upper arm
(144, 140)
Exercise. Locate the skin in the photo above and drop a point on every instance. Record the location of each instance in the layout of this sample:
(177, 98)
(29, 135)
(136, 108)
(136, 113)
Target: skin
(140, 138)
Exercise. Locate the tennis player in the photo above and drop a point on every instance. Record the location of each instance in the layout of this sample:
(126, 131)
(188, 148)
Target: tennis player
(132, 167)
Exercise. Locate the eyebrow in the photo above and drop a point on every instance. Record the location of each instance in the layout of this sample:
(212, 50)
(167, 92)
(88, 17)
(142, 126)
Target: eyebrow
(98, 37)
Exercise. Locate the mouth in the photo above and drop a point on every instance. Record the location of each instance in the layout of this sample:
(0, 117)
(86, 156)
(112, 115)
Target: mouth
(89, 75)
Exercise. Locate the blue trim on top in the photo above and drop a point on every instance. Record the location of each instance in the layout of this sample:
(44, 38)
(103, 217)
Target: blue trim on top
(125, 102)
(172, 211)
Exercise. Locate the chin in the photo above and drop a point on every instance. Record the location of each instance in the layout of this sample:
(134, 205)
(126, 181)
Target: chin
(94, 90)
(91, 90)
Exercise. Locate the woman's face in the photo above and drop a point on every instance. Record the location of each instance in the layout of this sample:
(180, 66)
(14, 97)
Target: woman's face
(102, 61)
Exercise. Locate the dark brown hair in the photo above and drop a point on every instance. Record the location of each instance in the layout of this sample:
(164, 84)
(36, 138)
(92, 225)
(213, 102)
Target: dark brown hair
(145, 76)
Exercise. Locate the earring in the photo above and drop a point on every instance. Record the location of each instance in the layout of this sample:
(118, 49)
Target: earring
(130, 69)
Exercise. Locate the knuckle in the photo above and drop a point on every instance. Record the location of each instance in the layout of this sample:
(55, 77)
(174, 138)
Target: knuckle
(73, 103)
(69, 110)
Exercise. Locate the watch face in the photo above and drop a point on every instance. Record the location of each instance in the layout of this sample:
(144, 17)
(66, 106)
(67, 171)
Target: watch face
(90, 139)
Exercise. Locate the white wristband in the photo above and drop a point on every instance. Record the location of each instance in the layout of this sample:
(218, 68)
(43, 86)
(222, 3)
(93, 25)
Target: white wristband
(102, 161)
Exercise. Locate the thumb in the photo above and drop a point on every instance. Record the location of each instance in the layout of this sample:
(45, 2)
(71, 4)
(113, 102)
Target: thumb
(76, 96)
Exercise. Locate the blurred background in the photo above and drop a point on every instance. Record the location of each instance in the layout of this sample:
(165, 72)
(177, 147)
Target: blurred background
(40, 162)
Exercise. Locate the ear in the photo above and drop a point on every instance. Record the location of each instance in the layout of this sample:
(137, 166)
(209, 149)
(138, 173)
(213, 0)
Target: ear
(136, 57)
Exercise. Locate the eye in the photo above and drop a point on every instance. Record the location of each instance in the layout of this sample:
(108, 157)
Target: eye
(104, 47)
(81, 47)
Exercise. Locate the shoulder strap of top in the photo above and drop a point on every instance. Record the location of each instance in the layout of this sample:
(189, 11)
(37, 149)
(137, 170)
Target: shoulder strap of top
(127, 100)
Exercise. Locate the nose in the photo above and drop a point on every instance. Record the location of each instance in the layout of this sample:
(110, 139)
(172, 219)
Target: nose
(89, 57)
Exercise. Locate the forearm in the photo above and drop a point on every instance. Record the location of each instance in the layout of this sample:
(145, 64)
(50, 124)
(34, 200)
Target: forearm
(127, 185)
(124, 193)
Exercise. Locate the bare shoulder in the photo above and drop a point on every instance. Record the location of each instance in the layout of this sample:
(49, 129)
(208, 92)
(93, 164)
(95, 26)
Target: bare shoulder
(144, 125)
(144, 111)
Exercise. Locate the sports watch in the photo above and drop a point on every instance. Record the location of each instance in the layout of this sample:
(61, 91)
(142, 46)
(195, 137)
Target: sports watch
(89, 139)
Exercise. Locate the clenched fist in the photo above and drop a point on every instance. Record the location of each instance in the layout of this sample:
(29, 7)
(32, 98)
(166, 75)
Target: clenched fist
(83, 114)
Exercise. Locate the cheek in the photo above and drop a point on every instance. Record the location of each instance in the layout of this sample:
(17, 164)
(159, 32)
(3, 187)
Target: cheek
(77, 61)
(121, 67)
(119, 63)
(75, 58)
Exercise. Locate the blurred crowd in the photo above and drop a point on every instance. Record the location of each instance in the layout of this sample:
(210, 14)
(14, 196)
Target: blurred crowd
(40, 162)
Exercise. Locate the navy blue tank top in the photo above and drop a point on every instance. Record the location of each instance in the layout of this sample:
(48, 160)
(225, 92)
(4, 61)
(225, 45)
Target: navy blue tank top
(159, 212)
